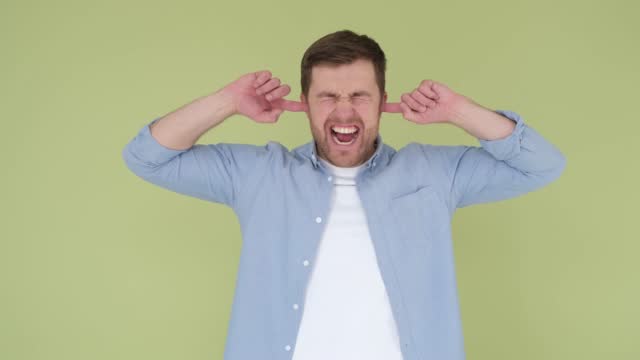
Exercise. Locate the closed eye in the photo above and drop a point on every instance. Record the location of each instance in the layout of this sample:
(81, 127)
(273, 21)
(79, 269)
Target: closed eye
(353, 97)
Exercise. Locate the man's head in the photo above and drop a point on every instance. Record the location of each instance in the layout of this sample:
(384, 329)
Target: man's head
(343, 84)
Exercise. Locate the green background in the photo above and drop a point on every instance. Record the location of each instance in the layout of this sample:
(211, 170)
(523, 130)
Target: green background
(97, 264)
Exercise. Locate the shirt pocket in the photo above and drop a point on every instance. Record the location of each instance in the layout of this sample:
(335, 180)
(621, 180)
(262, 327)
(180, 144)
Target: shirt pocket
(419, 216)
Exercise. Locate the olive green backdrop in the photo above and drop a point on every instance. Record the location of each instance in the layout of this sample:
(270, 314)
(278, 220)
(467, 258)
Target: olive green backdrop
(97, 264)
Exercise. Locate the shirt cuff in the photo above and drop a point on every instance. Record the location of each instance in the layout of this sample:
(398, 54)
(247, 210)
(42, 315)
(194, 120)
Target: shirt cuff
(147, 149)
(509, 146)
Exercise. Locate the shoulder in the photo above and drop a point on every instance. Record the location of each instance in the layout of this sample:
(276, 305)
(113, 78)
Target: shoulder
(431, 152)
(436, 163)
(244, 150)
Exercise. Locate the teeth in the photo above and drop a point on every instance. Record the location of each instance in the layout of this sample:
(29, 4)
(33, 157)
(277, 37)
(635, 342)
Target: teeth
(344, 130)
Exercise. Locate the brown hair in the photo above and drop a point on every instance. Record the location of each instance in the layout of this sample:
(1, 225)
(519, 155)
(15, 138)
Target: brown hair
(342, 47)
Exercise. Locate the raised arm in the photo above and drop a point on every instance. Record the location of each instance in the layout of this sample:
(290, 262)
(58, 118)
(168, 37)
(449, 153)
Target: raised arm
(164, 151)
(513, 158)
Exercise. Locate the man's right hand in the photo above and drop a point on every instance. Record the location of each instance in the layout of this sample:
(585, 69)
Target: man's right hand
(259, 96)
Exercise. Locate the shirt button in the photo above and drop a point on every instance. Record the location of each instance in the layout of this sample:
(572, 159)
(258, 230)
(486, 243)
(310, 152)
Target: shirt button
(287, 347)
(295, 306)
(318, 219)
(305, 263)
(329, 178)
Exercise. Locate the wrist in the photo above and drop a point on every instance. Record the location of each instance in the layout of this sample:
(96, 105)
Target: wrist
(464, 109)
(224, 102)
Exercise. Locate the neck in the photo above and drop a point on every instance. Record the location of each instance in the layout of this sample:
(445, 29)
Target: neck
(364, 159)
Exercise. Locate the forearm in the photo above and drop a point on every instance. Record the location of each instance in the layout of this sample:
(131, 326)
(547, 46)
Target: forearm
(481, 122)
(181, 128)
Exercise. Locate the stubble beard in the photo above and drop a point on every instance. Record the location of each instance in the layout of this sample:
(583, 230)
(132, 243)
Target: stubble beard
(362, 155)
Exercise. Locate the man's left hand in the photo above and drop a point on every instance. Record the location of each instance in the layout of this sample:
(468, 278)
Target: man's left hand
(431, 102)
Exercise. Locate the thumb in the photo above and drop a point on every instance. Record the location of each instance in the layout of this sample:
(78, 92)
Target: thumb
(269, 116)
(274, 114)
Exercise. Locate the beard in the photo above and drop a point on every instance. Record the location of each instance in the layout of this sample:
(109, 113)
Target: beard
(362, 148)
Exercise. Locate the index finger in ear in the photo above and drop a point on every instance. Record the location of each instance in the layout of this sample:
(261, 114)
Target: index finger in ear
(289, 105)
(293, 106)
(391, 108)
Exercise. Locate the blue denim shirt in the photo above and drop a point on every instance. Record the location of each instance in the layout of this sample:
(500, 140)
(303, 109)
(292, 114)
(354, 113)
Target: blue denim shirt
(282, 198)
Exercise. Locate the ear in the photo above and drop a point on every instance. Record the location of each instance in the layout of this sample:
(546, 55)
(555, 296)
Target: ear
(303, 99)
(383, 101)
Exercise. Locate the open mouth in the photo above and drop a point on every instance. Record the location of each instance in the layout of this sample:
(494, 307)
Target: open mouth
(345, 135)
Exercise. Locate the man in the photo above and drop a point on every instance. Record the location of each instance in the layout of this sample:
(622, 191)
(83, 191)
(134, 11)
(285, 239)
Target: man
(347, 248)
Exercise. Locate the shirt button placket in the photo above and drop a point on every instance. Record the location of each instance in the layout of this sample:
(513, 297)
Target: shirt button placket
(305, 263)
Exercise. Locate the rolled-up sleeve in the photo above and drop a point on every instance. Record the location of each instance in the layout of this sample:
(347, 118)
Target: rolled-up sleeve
(212, 172)
(503, 168)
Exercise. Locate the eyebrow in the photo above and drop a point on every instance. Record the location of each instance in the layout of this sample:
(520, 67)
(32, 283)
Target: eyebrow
(332, 94)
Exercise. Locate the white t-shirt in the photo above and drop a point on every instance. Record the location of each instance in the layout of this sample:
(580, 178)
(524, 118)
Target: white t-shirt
(346, 314)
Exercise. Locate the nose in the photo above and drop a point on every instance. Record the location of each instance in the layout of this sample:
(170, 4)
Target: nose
(343, 109)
